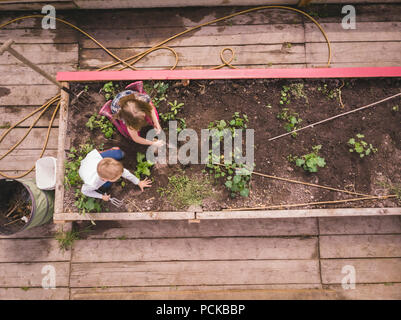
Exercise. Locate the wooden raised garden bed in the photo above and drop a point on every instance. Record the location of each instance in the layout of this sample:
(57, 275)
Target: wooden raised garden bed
(261, 95)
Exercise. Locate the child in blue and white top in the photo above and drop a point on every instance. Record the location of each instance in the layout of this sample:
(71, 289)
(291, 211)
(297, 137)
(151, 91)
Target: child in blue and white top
(100, 170)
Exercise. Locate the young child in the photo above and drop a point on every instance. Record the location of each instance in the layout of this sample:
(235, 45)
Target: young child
(100, 170)
(132, 110)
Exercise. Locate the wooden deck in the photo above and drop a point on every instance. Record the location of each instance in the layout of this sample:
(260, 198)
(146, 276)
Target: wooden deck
(247, 259)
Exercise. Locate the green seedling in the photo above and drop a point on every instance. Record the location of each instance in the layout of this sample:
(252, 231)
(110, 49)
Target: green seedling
(101, 122)
(157, 91)
(86, 204)
(360, 146)
(309, 162)
(110, 90)
(142, 167)
(292, 120)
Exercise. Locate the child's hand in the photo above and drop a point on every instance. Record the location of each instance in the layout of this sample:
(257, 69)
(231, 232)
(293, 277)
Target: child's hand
(106, 197)
(158, 128)
(147, 183)
(158, 143)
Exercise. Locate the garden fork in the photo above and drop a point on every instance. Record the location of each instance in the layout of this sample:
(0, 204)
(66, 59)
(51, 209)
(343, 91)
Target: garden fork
(116, 202)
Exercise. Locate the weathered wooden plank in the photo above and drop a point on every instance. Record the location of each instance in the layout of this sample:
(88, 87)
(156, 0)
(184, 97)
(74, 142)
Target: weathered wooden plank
(26, 293)
(194, 273)
(181, 17)
(43, 53)
(104, 4)
(201, 56)
(206, 36)
(27, 95)
(37, 5)
(111, 250)
(30, 274)
(207, 228)
(34, 23)
(176, 215)
(11, 115)
(246, 292)
(23, 159)
(32, 250)
(360, 246)
(34, 140)
(39, 36)
(16, 173)
(61, 157)
(356, 64)
(354, 52)
(365, 31)
(390, 291)
(297, 213)
(360, 225)
(41, 232)
(366, 270)
(22, 75)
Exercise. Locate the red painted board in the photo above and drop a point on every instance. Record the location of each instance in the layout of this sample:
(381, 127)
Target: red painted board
(358, 72)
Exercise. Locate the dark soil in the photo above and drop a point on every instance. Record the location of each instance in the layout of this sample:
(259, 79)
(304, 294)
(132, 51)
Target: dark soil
(210, 100)
(15, 203)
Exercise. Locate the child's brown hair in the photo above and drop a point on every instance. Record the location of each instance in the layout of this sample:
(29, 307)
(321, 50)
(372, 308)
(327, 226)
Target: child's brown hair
(109, 169)
(126, 114)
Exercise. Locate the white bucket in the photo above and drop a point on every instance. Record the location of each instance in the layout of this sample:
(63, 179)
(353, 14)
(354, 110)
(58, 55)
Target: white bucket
(46, 173)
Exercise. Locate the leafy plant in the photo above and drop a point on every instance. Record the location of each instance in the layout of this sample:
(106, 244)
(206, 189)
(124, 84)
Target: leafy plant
(235, 182)
(86, 204)
(285, 98)
(157, 91)
(172, 115)
(238, 183)
(183, 191)
(101, 122)
(311, 161)
(331, 94)
(142, 167)
(360, 146)
(292, 120)
(110, 90)
(73, 162)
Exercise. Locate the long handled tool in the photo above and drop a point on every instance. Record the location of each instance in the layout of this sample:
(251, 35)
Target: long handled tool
(7, 47)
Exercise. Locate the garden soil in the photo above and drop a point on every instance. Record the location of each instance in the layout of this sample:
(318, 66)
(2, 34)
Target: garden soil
(209, 100)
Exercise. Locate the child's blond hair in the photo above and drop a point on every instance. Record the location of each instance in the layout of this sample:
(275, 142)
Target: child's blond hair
(110, 169)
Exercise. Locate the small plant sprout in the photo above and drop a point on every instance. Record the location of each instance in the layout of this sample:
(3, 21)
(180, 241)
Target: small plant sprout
(360, 146)
(395, 108)
(292, 120)
(172, 115)
(110, 90)
(142, 167)
(102, 123)
(285, 95)
(309, 162)
(157, 91)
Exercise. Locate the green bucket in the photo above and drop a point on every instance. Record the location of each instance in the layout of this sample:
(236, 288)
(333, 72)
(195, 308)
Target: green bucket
(42, 203)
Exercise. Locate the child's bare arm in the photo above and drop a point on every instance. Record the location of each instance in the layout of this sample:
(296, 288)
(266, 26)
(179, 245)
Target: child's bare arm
(138, 139)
